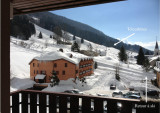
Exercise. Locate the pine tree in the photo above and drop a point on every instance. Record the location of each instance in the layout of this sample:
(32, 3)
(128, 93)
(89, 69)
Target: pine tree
(146, 64)
(74, 38)
(40, 35)
(75, 47)
(50, 36)
(122, 54)
(54, 79)
(82, 40)
(140, 57)
(95, 65)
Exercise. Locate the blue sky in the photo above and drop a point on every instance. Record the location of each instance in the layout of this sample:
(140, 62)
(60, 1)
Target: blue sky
(115, 19)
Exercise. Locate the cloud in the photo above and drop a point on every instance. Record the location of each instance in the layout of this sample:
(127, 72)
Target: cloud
(147, 45)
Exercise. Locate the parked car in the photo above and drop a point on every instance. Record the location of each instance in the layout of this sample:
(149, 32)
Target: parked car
(113, 87)
(102, 95)
(117, 93)
(151, 93)
(76, 91)
(133, 96)
(69, 91)
(131, 93)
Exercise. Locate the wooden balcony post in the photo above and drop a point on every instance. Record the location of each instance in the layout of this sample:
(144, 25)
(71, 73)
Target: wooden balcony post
(74, 104)
(24, 102)
(33, 102)
(98, 105)
(111, 106)
(62, 104)
(126, 107)
(15, 103)
(42, 103)
(86, 105)
(52, 103)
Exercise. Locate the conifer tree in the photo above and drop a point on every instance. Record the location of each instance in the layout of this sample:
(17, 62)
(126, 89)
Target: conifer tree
(74, 38)
(95, 65)
(50, 36)
(140, 57)
(122, 54)
(146, 64)
(75, 47)
(54, 79)
(40, 35)
(82, 40)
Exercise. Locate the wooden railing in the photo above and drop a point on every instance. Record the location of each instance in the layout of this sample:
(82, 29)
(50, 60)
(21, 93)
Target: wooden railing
(30, 101)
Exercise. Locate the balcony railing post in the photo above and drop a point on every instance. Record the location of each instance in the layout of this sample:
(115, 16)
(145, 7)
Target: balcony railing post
(111, 106)
(24, 102)
(15, 103)
(86, 105)
(62, 104)
(52, 103)
(98, 105)
(74, 104)
(126, 107)
(33, 102)
(42, 103)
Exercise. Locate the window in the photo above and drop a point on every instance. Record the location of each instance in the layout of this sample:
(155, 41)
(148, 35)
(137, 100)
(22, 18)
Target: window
(33, 64)
(43, 72)
(38, 65)
(55, 64)
(63, 72)
(76, 71)
(65, 64)
(37, 71)
(57, 72)
(34, 72)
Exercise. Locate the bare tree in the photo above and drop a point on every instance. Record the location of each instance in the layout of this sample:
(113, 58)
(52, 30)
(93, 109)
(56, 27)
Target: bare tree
(46, 43)
(65, 36)
(58, 33)
(90, 47)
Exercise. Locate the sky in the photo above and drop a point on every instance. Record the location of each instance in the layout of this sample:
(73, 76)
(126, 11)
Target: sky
(121, 19)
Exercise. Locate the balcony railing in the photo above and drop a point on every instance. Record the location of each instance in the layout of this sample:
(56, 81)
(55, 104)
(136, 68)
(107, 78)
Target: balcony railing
(29, 101)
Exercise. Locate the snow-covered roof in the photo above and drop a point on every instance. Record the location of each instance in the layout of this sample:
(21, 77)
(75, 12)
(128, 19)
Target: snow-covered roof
(59, 55)
(56, 56)
(40, 76)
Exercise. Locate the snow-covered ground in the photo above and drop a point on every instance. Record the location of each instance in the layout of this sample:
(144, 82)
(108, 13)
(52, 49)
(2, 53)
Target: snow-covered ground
(22, 52)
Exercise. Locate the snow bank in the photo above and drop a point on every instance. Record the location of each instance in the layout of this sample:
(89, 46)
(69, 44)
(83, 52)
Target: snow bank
(21, 83)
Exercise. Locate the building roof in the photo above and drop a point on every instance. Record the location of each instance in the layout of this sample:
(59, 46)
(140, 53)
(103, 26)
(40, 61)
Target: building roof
(57, 56)
(40, 76)
(31, 6)
(156, 47)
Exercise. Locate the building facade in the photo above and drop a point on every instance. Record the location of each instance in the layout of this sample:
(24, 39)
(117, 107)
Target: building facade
(41, 70)
(157, 68)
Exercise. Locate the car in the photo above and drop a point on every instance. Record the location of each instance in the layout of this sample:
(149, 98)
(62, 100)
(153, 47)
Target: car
(151, 93)
(117, 93)
(102, 95)
(76, 91)
(69, 91)
(133, 96)
(113, 87)
(131, 93)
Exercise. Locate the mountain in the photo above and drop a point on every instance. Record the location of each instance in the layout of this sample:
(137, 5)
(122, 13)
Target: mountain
(49, 20)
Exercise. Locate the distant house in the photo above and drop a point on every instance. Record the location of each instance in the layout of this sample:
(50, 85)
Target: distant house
(157, 68)
(65, 67)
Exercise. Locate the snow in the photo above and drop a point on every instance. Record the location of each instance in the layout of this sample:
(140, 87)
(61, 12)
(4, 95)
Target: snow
(40, 76)
(131, 75)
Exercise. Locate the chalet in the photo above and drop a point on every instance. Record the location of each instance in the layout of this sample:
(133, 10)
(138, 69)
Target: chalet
(65, 67)
(157, 68)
